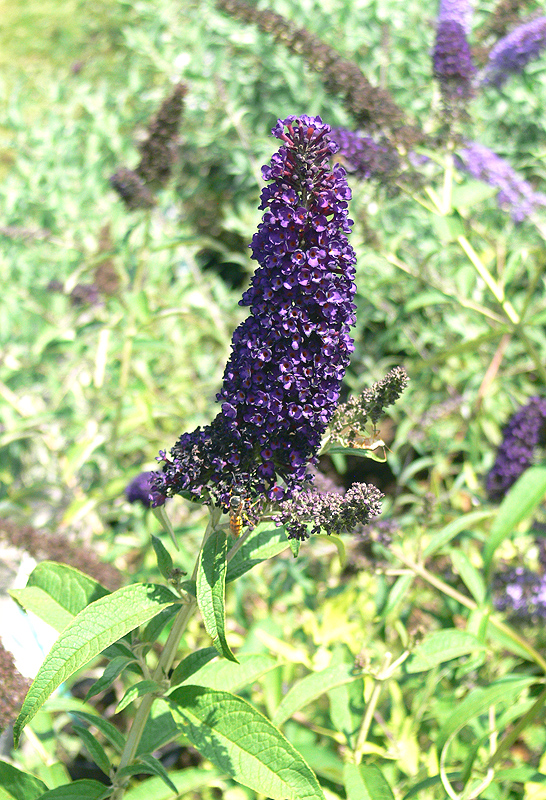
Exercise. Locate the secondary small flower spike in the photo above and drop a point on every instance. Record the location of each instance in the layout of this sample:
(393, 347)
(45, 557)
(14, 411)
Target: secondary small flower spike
(513, 52)
(281, 384)
(515, 193)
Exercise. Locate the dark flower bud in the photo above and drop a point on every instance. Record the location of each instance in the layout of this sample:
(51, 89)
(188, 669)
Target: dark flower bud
(130, 187)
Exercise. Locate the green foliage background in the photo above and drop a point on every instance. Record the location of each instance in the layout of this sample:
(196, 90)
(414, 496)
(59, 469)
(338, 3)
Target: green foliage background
(90, 393)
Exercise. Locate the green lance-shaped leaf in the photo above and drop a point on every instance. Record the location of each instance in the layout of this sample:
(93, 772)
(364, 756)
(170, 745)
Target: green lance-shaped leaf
(79, 790)
(366, 782)
(231, 676)
(262, 543)
(57, 592)
(17, 785)
(478, 701)
(164, 560)
(520, 502)
(96, 627)
(94, 748)
(186, 780)
(311, 687)
(138, 690)
(191, 664)
(442, 646)
(106, 728)
(239, 740)
(211, 590)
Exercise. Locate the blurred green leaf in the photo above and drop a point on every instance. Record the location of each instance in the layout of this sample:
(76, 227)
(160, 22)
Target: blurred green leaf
(520, 502)
(441, 646)
(311, 687)
(479, 701)
(366, 782)
(17, 785)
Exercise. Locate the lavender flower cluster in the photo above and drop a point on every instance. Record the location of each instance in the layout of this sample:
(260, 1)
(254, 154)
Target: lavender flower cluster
(513, 52)
(521, 592)
(282, 381)
(524, 431)
(514, 191)
(364, 157)
(451, 58)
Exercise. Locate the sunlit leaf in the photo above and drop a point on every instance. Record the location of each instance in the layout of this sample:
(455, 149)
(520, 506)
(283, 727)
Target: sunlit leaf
(243, 743)
(96, 627)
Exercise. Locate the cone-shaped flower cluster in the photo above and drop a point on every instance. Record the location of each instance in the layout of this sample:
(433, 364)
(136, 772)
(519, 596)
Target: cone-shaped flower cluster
(281, 383)
(515, 192)
(452, 59)
(330, 511)
(525, 430)
(513, 52)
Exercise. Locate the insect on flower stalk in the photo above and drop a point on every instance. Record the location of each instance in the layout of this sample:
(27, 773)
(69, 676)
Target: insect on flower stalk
(282, 381)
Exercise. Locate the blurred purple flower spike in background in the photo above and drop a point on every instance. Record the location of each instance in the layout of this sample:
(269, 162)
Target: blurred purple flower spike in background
(513, 52)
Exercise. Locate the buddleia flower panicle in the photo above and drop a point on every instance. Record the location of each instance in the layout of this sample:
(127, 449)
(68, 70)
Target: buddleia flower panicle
(371, 108)
(364, 157)
(351, 418)
(459, 11)
(451, 58)
(515, 193)
(512, 53)
(282, 381)
(329, 512)
(132, 190)
(158, 150)
(525, 430)
(137, 187)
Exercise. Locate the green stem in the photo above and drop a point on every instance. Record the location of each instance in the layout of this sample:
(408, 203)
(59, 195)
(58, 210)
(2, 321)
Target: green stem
(515, 732)
(162, 669)
(370, 711)
(466, 601)
(448, 184)
(488, 279)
